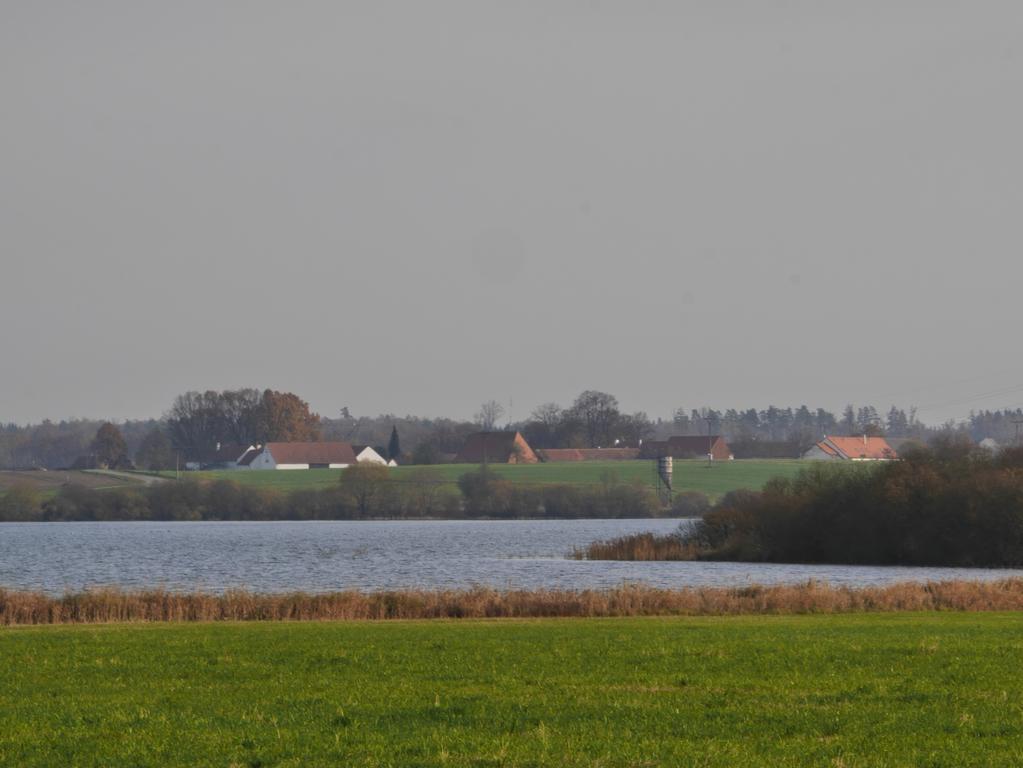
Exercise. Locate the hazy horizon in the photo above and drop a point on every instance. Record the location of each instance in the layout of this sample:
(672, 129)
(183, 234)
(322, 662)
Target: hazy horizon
(413, 208)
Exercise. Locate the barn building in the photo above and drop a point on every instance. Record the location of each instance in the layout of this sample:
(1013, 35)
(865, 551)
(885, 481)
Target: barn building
(555, 455)
(496, 448)
(688, 447)
(303, 456)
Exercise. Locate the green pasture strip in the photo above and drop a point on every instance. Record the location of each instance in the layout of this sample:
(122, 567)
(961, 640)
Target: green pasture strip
(44, 493)
(865, 690)
(714, 480)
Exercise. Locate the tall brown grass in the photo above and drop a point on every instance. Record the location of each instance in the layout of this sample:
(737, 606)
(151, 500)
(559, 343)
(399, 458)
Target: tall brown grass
(640, 546)
(112, 605)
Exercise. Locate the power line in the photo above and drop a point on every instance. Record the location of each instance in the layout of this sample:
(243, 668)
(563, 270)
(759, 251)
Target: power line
(972, 398)
(1015, 371)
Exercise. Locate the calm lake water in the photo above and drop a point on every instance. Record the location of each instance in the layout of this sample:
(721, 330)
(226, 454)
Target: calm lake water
(322, 556)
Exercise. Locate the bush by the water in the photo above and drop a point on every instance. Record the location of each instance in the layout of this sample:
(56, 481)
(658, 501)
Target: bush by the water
(951, 505)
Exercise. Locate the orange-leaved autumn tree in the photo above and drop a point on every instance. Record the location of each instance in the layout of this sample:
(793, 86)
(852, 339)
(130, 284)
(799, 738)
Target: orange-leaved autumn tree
(285, 417)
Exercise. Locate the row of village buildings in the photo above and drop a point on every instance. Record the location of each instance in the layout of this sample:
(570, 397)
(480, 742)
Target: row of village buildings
(512, 448)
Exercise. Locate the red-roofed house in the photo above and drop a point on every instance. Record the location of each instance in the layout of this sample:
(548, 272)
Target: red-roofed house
(863, 448)
(303, 456)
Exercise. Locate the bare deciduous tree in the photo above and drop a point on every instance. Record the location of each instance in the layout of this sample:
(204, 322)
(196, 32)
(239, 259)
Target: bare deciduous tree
(598, 413)
(548, 414)
(489, 414)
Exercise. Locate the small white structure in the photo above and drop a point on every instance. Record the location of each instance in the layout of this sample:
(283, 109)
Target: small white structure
(303, 456)
(365, 454)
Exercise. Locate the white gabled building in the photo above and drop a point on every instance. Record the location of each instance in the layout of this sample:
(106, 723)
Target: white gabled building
(365, 454)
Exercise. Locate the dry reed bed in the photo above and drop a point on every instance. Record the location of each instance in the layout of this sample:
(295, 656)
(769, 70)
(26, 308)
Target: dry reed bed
(111, 605)
(640, 546)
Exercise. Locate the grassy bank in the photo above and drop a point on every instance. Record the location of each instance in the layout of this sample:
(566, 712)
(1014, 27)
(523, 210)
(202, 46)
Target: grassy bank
(104, 606)
(714, 480)
(48, 483)
(899, 689)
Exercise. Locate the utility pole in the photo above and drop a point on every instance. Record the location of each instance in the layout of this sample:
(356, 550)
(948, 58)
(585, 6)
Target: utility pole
(1018, 423)
(710, 441)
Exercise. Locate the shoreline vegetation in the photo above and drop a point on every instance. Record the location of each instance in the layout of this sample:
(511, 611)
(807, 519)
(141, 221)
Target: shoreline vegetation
(525, 491)
(360, 492)
(951, 506)
(103, 606)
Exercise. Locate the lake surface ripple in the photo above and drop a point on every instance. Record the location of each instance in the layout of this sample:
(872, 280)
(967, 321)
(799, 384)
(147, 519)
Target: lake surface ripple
(326, 556)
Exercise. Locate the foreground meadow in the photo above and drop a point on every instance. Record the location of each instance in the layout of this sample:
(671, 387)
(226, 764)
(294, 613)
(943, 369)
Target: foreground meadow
(935, 689)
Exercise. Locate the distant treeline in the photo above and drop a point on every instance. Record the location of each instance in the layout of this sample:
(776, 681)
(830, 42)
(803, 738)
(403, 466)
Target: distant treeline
(952, 505)
(196, 421)
(365, 492)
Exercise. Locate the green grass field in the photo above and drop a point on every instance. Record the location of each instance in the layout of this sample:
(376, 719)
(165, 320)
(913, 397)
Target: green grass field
(713, 480)
(936, 689)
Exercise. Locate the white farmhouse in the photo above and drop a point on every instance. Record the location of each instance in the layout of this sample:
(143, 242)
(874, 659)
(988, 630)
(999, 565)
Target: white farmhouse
(302, 456)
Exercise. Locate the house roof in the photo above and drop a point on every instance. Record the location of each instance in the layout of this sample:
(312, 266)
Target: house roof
(827, 448)
(863, 447)
(681, 446)
(312, 453)
(250, 454)
(587, 454)
(220, 452)
(494, 446)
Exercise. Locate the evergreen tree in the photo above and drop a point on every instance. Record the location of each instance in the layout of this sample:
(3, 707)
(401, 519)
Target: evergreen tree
(394, 446)
(849, 420)
(898, 423)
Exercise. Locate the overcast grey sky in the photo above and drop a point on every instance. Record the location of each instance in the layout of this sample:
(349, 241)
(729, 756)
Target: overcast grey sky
(417, 206)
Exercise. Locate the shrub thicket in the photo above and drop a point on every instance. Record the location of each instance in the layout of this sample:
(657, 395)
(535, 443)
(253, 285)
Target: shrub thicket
(951, 506)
